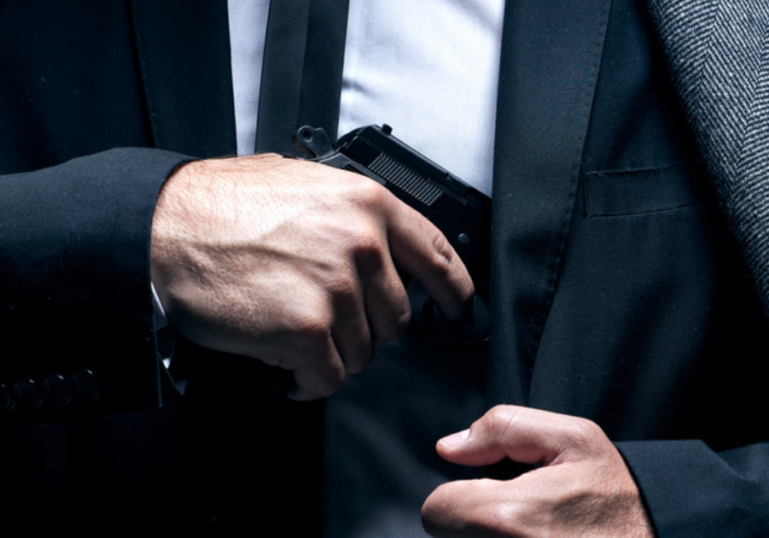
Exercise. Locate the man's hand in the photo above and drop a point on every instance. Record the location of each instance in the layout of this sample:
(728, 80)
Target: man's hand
(581, 489)
(294, 263)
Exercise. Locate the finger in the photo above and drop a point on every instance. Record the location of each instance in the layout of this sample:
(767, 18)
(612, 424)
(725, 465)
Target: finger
(370, 302)
(524, 435)
(321, 375)
(466, 508)
(386, 302)
(387, 307)
(350, 330)
(352, 338)
(419, 248)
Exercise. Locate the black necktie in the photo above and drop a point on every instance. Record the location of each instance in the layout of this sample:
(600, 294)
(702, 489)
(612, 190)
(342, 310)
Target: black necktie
(302, 72)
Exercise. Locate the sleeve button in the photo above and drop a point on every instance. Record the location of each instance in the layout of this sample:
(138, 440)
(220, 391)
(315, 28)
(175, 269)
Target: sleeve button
(7, 403)
(86, 385)
(27, 394)
(56, 390)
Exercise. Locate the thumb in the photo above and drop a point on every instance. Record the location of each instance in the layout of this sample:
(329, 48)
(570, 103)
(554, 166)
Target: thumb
(523, 435)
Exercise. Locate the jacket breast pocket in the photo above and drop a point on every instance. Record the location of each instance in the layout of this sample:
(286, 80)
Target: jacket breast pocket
(615, 193)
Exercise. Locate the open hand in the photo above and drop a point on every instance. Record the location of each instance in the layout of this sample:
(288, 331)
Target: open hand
(581, 489)
(294, 263)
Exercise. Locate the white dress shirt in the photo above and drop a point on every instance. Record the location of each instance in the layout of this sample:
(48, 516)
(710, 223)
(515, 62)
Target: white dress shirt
(428, 68)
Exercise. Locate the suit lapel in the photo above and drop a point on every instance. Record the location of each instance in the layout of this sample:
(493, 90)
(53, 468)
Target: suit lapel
(183, 52)
(551, 54)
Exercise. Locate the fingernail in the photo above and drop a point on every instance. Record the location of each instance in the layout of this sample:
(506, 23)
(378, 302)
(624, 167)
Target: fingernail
(455, 439)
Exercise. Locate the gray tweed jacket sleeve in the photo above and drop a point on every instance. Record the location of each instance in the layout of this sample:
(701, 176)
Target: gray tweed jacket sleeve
(719, 55)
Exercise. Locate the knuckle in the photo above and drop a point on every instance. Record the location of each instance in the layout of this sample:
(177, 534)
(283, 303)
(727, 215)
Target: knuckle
(273, 360)
(368, 249)
(314, 326)
(397, 323)
(402, 321)
(332, 380)
(343, 285)
(361, 241)
(504, 514)
(368, 193)
(443, 258)
(581, 436)
(361, 363)
(358, 190)
(319, 371)
(583, 430)
(363, 355)
(508, 515)
(499, 419)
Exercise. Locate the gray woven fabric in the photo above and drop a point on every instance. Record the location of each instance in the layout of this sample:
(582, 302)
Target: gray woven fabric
(719, 54)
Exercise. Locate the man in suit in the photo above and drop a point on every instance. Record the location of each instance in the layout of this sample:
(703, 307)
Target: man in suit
(631, 336)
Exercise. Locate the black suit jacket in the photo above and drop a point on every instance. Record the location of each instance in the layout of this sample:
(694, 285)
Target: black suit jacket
(618, 294)
(642, 317)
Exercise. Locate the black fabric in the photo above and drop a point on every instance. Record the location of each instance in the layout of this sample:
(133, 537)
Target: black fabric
(654, 327)
(323, 65)
(107, 475)
(183, 54)
(618, 292)
(284, 51)
(85, 54)
(81, 78)
(381, 429)
(551, 53)
(694, 492)
(303, 59)
(68, 220)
